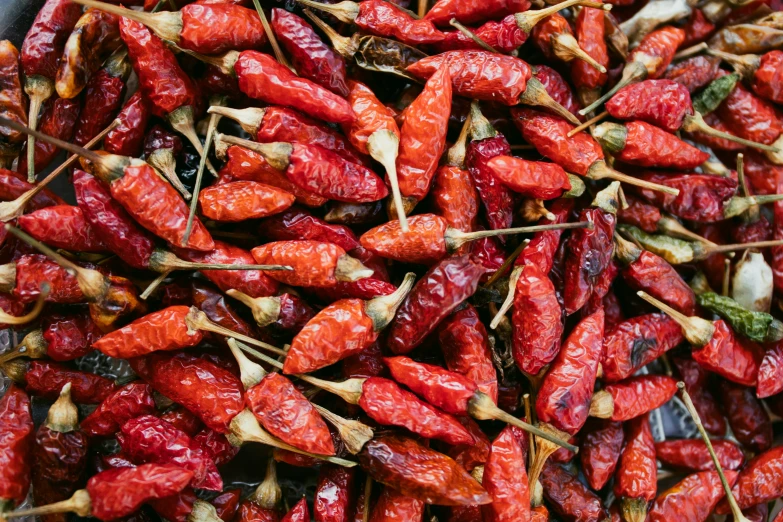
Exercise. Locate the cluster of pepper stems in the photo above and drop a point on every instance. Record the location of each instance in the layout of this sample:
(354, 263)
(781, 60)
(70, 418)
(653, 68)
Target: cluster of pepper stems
(571, 233)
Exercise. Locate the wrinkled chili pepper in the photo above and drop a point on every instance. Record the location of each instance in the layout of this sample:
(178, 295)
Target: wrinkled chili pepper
(696, 381)
(748, 419)
(103, 97)
(589, 29)
(67, 337)
(568, 497)
(127, 138)
(13, 104)
(555, 39)
(756, 326)
(599, 450)
(183, 420)
(753, 483)
(130, 401)
(692, 454)
(393, 505)
(693, 73)
(637, 472)
(505, 479)
(17, 444)
(62, 226)
(242, 200)
(46, 379)
(471, 11)
(335, 494)
(58, 119)
(693, 498)
(633, 397)
(12, 186)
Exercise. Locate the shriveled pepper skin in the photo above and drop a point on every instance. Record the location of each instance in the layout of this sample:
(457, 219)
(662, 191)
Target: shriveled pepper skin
(392, 506)
(599, 450)
(649, 146)
(242, 200)
(589, 31)
(537, 320)
(505, 479)
(692, 454)
(420, 473)
(150, 439)
(454, 197)
(161, 330)
(161, 80)
(16, 422)
(558, 88)
(127, 138)
(12, 186)
(657, 277)
(769, 375)
(297, 223)
(533, 179)
(130, 401)
(591, 253)
(424, 243)
(661, 45)
(175, 508)
(637, 342)
(13, 104)
(423, 135)
(44, 42)
(444, 287)
(701, 197)
(465, 345)
(730, 357)
(388, 404)
(471, 11)
(564, 397)
(691, 499)
(314, 262)
(158, 207)
(767, 78)
(663, 103)
(693, 73)
(33, 269)
(757, 482)
(334, 494)
(218, 27)
(747, 417)
(252, 512)
(497, 200)
(118, 492)
(371, 116)
(103, 98)
(212, 393)
(338, 331)
(480, 75)
(696, 384)
(750, 117)
(311, 57)
(262, 78)
(58, 119)
(386, 19)
(61, 226)
(449, 391)
(183, 420)
(299, 513)
(568, 497)
(287, 414)
(46, 379)
(637, 473)
(69, 336)
(639, 395)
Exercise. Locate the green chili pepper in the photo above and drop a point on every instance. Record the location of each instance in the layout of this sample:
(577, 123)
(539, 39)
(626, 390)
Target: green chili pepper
(756, 326)
(675, 251)
(713, 95)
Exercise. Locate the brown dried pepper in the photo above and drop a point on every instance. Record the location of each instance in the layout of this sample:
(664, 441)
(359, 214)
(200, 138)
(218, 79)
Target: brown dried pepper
(127, 138)
(692, 454)
(637, 342)
(13, 104)
(599, 450)
(130, 401)
(693, 73)
(17, 445)
(693, 498)
(420, 473)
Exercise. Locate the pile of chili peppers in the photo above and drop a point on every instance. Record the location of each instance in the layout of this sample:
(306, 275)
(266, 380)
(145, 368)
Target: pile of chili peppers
(434, 261)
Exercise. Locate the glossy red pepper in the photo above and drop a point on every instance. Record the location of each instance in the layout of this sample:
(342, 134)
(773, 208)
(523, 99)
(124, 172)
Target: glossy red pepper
(568, 497)
(755, 483)
(62, 226)
(31, 269)
(335, 494)
(297, 223)
(747, 417)
(656, 276)
(729, 356)
(127, 138)
(183, 420)
(637, 473)
(43, 45)
(12, 186)
(634, 397)
(637, 342)
(175, 508)
(769, 374)
(766, 79)
(557, 87)
(46, 379)
(216, 445)
(446, 390)
(472, 11)
(702, 197)
(393, 505)
(692, 454)
(693, 498)
(130, 401)
(640, 214)
(13, 104)
(504, 36)
(589, 29)
(69, 336)
(242, 200)
(103, 99)
(697, 28)
(640, 143)
(532, 179)
(599, 450)
(17, 445)
(750, 117)
(505, 479)
(663, 103)
(299, 513)
(301, 255)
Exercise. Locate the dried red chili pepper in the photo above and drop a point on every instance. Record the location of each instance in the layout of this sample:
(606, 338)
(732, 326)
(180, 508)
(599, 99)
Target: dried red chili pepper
(103, 96)
(755, 483)
(599, 450)
(692, 454)
(297, 223)
(17, 446)
(640, 214)
(130, 401)
(693, 498)
(46, 379)
(471, 11)
(227, 504)
(420, 473)
(69, 336)
(212, 393)
(62, 226)
(13, 104)
(769, 372)
(637, 473)
(58, 119)
(750, 117)
(589, 28)
(176, 508)
(693, 73)
(554, 38)
(31, 269)
(563, 401)
(505, 479)
(242, 200)
(335, 494)
(696, 384)
(95, 37)
(747, 417)
(183, 420)
(568, 497)
(333, 263)
(299, 513)
(393, 505)
(216, 445)
(12, 187)
(127, 138)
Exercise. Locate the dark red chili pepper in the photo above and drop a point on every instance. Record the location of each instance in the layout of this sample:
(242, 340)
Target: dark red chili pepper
(640, 214)
(562, 400)
(693, 73)
(175, 508)
(637, 474)
(454, 279)
(420, 473)
(599, 450)
(311, 57)
(299, 513)
(102, 99)
(126, 139)
(130, 401)
(46, 379)
(12, 186)
(697, 28)
(504, 36)
(335, 494)
(297, 223)
(393, 505)
(589, 29)
(637, 342)
(183, 420)
(696, 384)
(69, 336)
(58, 119)
(692, 454)
(750, 117)
(62, 226)
(693, 498)
(557, 87)
(252, 512)
(13, 104)
(663, 103)
(703, 198)
(766, 77)
(32, 269)
(472, 11)
(46, 38)
(568, 497)
(212, 393)
(227, 504)
(769, 374)
(216, 445)
(17, 445)
(756, 483)
(747, 417)
(505, 479)
(633, 397)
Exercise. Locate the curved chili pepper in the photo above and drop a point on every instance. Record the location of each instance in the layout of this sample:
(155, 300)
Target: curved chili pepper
(505, 479)
(727, 356)
(58, 119)
(183, 420)
(420, 473)
(17, 445)
(150, 439)
(562, 400)
(297, 223)
(753, 483)
(103, 96)
(12, 102)
(69, 336)
(750, 117)
(554, 38)
(637, 473)
(769, 382)
(529, 178)
(46, 379)
(252, 512)
(131, 401)
(45, 39)
(212, 393)
(693, 73)
(216, 445)
(12, 186)
(393, 505)
(637, 342)
(242, 200)
(454, 279)
(568, 497)
(693, 498)
(126, 139)
(62, 226)
(472, 11)
(599, 450)
(633, 397)
(756, 326)
(299, 513)
(95, 36)
(692, 454)
(747, 417)
(589, 29)
(663, 103)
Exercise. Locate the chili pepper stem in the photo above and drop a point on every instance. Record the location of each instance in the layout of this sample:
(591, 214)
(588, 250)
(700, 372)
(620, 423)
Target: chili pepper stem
(533, 209)
(353, 433)
(591, 121)
(277, 154)
(633, 72)
(163, 161)
(626, 251)
(63, 416)
(544, 448)
(633, 509)
(507, 263)
(345, 46)
(166, 24)
(383, 145)
(9, 319)
(32, 346)
(686, 398)
(245, 428)
(470, 34)
(456, 238)
(39, 89)
(481, 407)
(566, 48)
(381, 309)
(265, 310)
(508, 303)
(153, 285)
(79, 503)
(250, 119)
(202, 511)
(535, 94)
(738, 205)
(745, 65)
(197, 320)
(368, 487)
(696, 330)
(695, 123)
(268, 494)
(690, 51)
(181, 120)
(671, 226)
(726, 277)
(225, 62)
(345, 11)
(529, 416)
(602, 405)
(250, 373)
(600, 170)
(351, 269)
(528, 19)
(720, 249)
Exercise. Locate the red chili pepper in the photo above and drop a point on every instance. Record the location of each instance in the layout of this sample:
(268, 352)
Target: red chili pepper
(750, 117)
(448, 391)
(568, 497)
(589, 28)
(130, 401)
(58, 120)
(62, 226)
(453, 279)
(252, 512)
(633, 397)
(554, 38)
(472, 11)
(16, 422)
(311, 57)
(175, 508)
(103, 99)
(371, 116)
(242, 200)
(563, 401)
(756, 483)
(296, 223)
(693, 73)
(46, 38)
(766, 77)
(637, 342)
(693, 498)
(703, 198)
(150, 439)
(299, 513)
(505, 479)
(32, 269)
(393, 505)
(212, 393)
(557, 87)
(599, 450)
(637, 474)
(504, 36)
(454, 197)
(126, 139)
(692, 454)
(769, 374)
(465, 345)
(183, 420)
(728, 356)
(640, 214)
(46, 379)
(334, 494)
(12, 186)
(696, 384)
(69, 336)
(530, 178)
(405, 465)
(13, 104)
(216, 445)
(227, 504)
(663, 103)
(747, 417)
(697, 28)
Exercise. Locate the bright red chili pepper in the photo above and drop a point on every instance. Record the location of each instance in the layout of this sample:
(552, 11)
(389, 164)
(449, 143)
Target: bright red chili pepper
(12, 186)
(532, 179)
(637, 474)
(299, 513)
(568, 497)
(472, 11)
(692, 454)
(252, 512)
(46, 379)
(17, 445)
(62, 226)
(640, 143)
(334, 494)
(599, 450)
(563, 400)
(130, 401)
(505, 479)
(748, 419)
(555, 39)
(504, 36)
(393, 505)
(405, 465)
(663, 103)
(32, 269)
(589, 29)
(693, 498)
(750, 117)
(227, 504)
(769, 374)
(58, 119)
(766, 79)
(176, 508)
(242, 200)
(183, 420)
(297, 223)
(757, 483)
(633, 397)
(13, 104)
(69, 336)
(557, 87)
(697, 28)
(127, 138)
(216, 445)
(637, 342)
(449, 391)
(729, 356)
